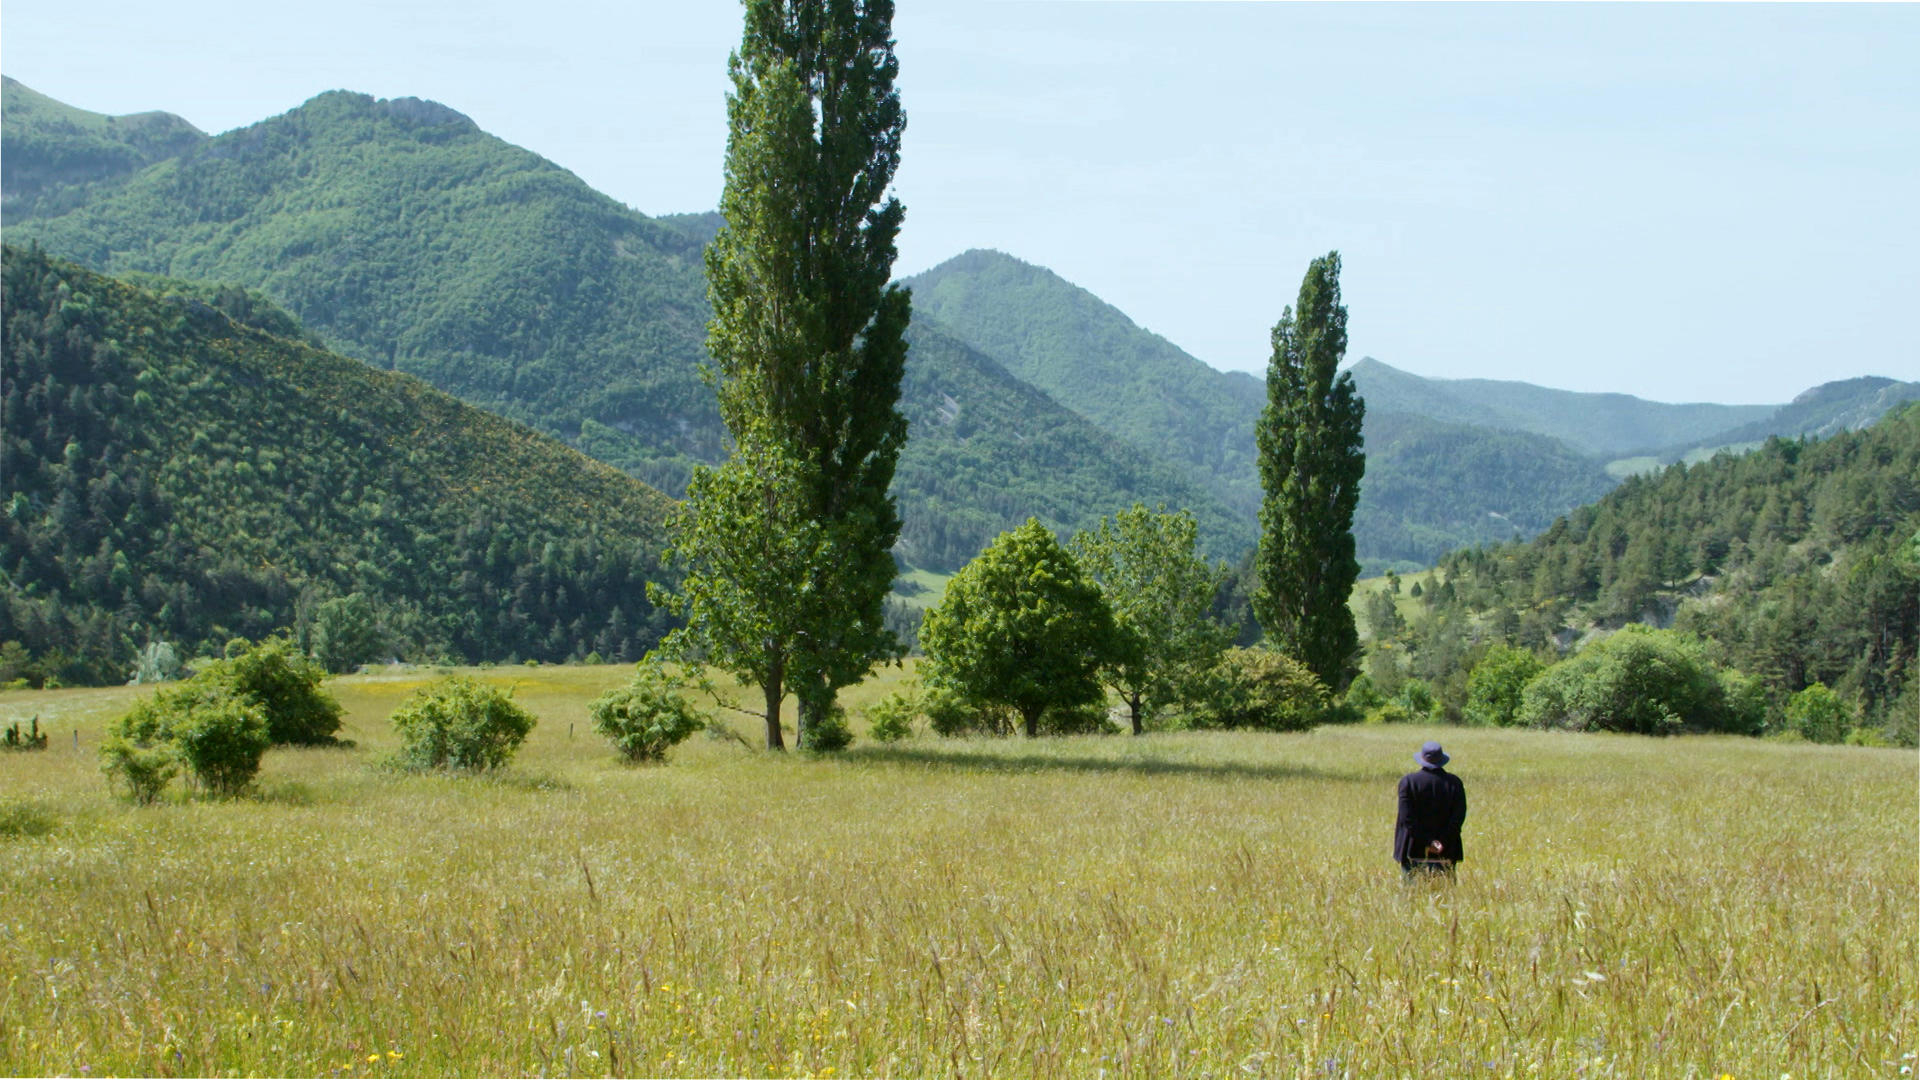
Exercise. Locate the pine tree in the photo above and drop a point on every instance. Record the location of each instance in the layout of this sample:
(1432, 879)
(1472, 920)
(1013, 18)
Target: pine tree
(807, 337)
(1311, 462)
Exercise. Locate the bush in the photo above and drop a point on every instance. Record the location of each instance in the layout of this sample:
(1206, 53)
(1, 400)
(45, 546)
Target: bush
(144, 766)
(221, 739)
(891, 718)
(645, 718)
(157, 662)
(951, 714)
(460, 724)
(346, 633)
(1495, 687)
(1263, 690)
(1819, 714)
(217, 735)
(1640, 680)
(285, 684)
(1417, 698)
(1390, 712)
(828, 734)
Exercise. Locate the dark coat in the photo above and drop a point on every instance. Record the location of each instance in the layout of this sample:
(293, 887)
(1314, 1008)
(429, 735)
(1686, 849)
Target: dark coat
(1433, 805)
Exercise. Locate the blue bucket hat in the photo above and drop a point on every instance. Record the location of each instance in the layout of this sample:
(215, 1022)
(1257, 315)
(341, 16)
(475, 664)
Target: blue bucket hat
(1431, 755)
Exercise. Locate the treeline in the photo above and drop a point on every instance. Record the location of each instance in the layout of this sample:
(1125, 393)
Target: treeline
(1797, 564)
(172, 474)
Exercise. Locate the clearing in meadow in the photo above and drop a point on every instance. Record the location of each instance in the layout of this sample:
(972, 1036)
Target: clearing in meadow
(1178, 905)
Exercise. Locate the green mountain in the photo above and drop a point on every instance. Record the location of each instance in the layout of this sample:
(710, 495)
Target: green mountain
(1603, 425)
(410, 239)
(1091, 357)
(174, 472)
(1828, 409)
(1433, 486)
(46, 144)
(1433, 483)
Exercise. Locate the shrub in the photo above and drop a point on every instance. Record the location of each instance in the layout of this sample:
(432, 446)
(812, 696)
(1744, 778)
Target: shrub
(460, 724)
(221, 739)
(828, 734)
(1640, 680)
(952, 714)
(645, 718)
(1264, 690)
(1417, 698)
(891, 718)
(1819, 714)
(1497, 682)
(1390, 712)
(19, 819)
(157, 662)
(146, 767)
(285, 684)
(217, 735)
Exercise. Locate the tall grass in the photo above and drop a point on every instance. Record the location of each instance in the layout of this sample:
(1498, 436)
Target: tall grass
(1179, 905)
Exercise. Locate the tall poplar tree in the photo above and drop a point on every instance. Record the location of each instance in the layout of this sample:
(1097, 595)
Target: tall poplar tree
(1311, 462)
(807, 344)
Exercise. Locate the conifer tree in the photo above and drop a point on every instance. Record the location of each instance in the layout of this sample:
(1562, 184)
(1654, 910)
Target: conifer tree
(807, 337)
(1311, 462)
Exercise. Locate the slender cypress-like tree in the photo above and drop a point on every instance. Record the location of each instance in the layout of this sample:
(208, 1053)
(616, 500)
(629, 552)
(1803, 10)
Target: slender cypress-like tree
(1311, 462)
(807, 337)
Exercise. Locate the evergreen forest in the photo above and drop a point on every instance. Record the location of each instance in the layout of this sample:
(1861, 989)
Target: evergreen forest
(180, 469)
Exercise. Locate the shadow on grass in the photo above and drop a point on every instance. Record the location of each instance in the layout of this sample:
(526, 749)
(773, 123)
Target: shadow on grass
(1017, 761)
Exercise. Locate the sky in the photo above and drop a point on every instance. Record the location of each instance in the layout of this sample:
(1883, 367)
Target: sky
(1703, 202)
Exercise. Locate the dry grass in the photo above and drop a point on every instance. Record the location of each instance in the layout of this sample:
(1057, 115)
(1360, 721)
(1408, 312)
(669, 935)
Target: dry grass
(1172, 906)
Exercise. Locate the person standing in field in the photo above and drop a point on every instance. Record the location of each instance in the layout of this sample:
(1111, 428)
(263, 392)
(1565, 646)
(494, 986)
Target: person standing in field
(1433, 806)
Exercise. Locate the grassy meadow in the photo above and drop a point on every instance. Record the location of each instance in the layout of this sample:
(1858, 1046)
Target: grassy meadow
(1177, 905)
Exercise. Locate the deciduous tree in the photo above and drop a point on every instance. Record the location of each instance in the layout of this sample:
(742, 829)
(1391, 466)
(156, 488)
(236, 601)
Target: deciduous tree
(1020, 627)
(1311, 462)
(807, 333)
(1144, 564)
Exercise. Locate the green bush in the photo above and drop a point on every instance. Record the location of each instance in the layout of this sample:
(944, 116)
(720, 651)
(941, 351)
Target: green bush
(217, 735)
(144, 766)
(285, 684)
(1639, 680)
(645, 718)
(221, 739)
(1391, 712)
(1819, 714)
(891, 718)
(1263, 690)
(1495, 687)
(460, 724)
(828, 734)
(951, 714)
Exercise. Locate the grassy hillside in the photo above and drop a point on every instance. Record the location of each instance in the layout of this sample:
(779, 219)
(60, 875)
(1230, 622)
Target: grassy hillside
(1172, 906)
(173, 474)
(45, 144)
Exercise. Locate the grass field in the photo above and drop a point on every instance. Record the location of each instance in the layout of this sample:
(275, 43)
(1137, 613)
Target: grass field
(1179, 905)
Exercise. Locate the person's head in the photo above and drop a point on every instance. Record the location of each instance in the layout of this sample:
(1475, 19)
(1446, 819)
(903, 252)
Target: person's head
(1431, 756)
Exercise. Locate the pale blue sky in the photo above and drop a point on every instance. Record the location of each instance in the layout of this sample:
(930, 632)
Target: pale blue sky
(1684, 202)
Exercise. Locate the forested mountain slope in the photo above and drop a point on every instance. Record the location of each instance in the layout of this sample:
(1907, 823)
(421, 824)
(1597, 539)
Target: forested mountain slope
(173, 474)
(1091, 357)
(407, 237)
(1800, 562)
(45, 144)
(1827, 409)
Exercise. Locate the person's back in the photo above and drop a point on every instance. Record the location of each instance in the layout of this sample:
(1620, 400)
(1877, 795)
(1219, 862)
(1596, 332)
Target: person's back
(1433, 806)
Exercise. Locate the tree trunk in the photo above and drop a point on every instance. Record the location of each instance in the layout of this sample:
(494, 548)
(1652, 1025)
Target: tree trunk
(1133, 704)
(1032, 720)
(775, 691)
